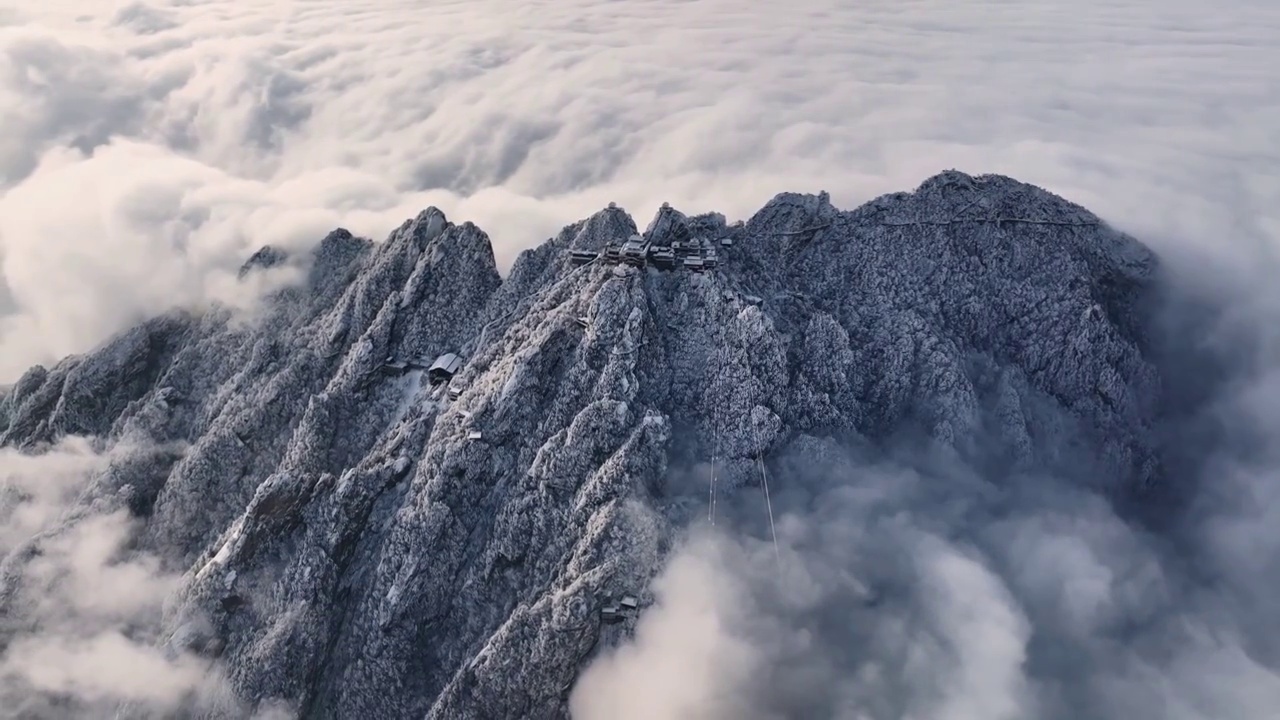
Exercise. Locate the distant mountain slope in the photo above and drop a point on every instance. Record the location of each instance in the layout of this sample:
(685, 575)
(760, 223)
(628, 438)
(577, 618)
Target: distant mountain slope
(364, 544)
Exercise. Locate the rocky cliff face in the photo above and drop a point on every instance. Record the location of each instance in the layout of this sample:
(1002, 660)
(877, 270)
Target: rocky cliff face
(364, 544)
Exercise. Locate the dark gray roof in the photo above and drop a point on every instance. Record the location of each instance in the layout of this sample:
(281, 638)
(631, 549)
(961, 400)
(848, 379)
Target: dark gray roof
(448, 363)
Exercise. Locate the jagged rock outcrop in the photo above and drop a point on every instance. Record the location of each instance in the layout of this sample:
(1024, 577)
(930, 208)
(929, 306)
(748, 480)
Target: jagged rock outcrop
(352, 547)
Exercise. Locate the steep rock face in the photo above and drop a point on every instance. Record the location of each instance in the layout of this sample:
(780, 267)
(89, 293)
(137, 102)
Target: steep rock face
(353, 547)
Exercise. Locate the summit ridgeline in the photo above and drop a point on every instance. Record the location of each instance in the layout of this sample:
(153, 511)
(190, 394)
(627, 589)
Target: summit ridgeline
(411, 488)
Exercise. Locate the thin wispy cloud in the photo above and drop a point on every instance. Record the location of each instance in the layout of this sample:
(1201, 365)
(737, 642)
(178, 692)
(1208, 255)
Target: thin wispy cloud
(149, 147)
(82, 607)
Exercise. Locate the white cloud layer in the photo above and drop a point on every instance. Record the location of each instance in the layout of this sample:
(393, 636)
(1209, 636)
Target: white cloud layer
(947, 597)
(81, 608)
(148, 147)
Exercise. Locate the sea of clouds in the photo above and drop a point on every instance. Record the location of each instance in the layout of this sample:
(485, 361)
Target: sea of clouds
(147, 148)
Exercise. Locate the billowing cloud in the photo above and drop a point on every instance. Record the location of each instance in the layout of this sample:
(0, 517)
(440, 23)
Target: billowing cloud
(905, 592)
(148, 146)
(82, 607)
(887, 603)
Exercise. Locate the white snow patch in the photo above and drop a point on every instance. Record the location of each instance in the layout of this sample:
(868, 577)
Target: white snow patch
(224, 553)
(344, 482)
(513, 380)
(401, 464)
(412, 386)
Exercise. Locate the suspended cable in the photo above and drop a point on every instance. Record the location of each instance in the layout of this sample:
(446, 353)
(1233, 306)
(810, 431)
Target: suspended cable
(715, 434)
(764, 484)
(764, 479)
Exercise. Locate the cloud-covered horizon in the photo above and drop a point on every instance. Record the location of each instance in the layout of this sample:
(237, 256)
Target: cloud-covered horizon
(149, 147)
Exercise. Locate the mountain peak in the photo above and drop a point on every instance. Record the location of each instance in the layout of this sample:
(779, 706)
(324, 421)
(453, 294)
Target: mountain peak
(371, 527)
(266, 257)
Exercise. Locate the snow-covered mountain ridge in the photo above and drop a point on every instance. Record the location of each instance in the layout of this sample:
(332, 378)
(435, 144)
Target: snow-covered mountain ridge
(362, 543)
